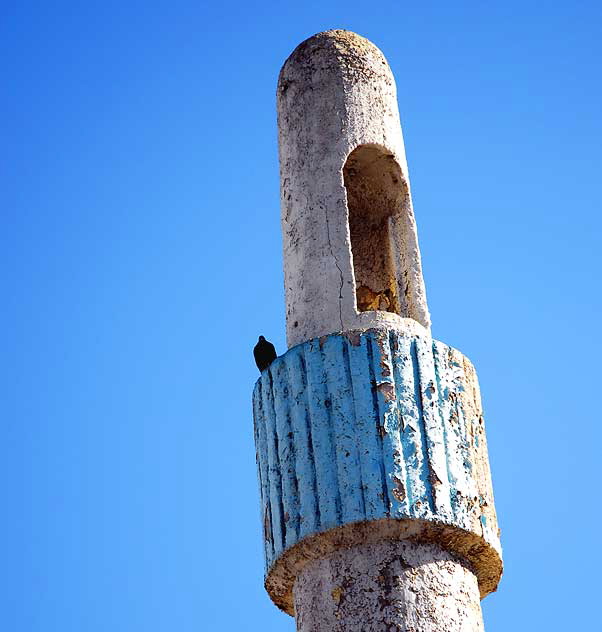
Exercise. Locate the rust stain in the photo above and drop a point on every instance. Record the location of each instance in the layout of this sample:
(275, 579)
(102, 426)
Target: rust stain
(354, 338)
(337, 593)
(399, 490)
(387, 389)
(384, 364)
(385, 368)
(434, 479)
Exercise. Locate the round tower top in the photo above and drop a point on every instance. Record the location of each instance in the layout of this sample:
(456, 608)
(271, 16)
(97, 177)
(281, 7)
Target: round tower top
(334, 48)
(346, 43)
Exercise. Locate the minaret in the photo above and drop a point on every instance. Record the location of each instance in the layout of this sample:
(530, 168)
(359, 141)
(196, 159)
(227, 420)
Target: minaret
(376, 498)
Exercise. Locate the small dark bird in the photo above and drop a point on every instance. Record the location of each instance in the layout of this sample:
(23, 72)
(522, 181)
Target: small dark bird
(264, 353)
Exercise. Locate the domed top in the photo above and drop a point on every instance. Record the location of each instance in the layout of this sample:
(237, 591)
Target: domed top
(336, 47)
(345, 41)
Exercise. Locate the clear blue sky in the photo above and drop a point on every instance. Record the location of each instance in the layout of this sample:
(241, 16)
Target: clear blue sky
(141, 257)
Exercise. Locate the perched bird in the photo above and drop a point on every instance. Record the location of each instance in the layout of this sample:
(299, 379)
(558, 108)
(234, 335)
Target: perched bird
(264, 353)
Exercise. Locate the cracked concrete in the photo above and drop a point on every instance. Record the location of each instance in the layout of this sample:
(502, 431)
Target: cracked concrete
(351, 256)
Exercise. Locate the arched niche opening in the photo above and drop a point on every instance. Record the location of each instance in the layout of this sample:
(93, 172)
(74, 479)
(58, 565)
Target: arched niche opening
(376, 193)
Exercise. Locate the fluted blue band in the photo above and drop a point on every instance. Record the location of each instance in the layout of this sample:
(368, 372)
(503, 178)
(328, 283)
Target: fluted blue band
(365, 426)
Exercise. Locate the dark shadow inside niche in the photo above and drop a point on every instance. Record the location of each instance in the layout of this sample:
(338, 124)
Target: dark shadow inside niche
(375, 194)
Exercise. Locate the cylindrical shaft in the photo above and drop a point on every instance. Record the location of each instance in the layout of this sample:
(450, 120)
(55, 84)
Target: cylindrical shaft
(390, 586)
(351, 256)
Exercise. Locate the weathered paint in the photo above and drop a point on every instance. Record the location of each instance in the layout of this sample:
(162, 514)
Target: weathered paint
(405, 374)
(366, 426)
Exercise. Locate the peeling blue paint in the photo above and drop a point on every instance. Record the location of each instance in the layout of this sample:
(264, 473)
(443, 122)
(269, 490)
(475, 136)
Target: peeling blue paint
(364, 427)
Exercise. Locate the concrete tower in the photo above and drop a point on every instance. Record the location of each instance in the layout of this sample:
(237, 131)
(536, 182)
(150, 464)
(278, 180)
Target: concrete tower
(376, 495)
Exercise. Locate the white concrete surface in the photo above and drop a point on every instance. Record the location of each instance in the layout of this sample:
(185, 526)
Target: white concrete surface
(351, 256)
(388, 587)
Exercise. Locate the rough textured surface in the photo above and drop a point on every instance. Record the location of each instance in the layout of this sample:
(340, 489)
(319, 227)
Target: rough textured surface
(388, 586)
(336, 94)
(372, 426)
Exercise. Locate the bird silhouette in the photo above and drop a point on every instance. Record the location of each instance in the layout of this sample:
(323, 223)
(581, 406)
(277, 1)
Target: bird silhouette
(264, 353)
